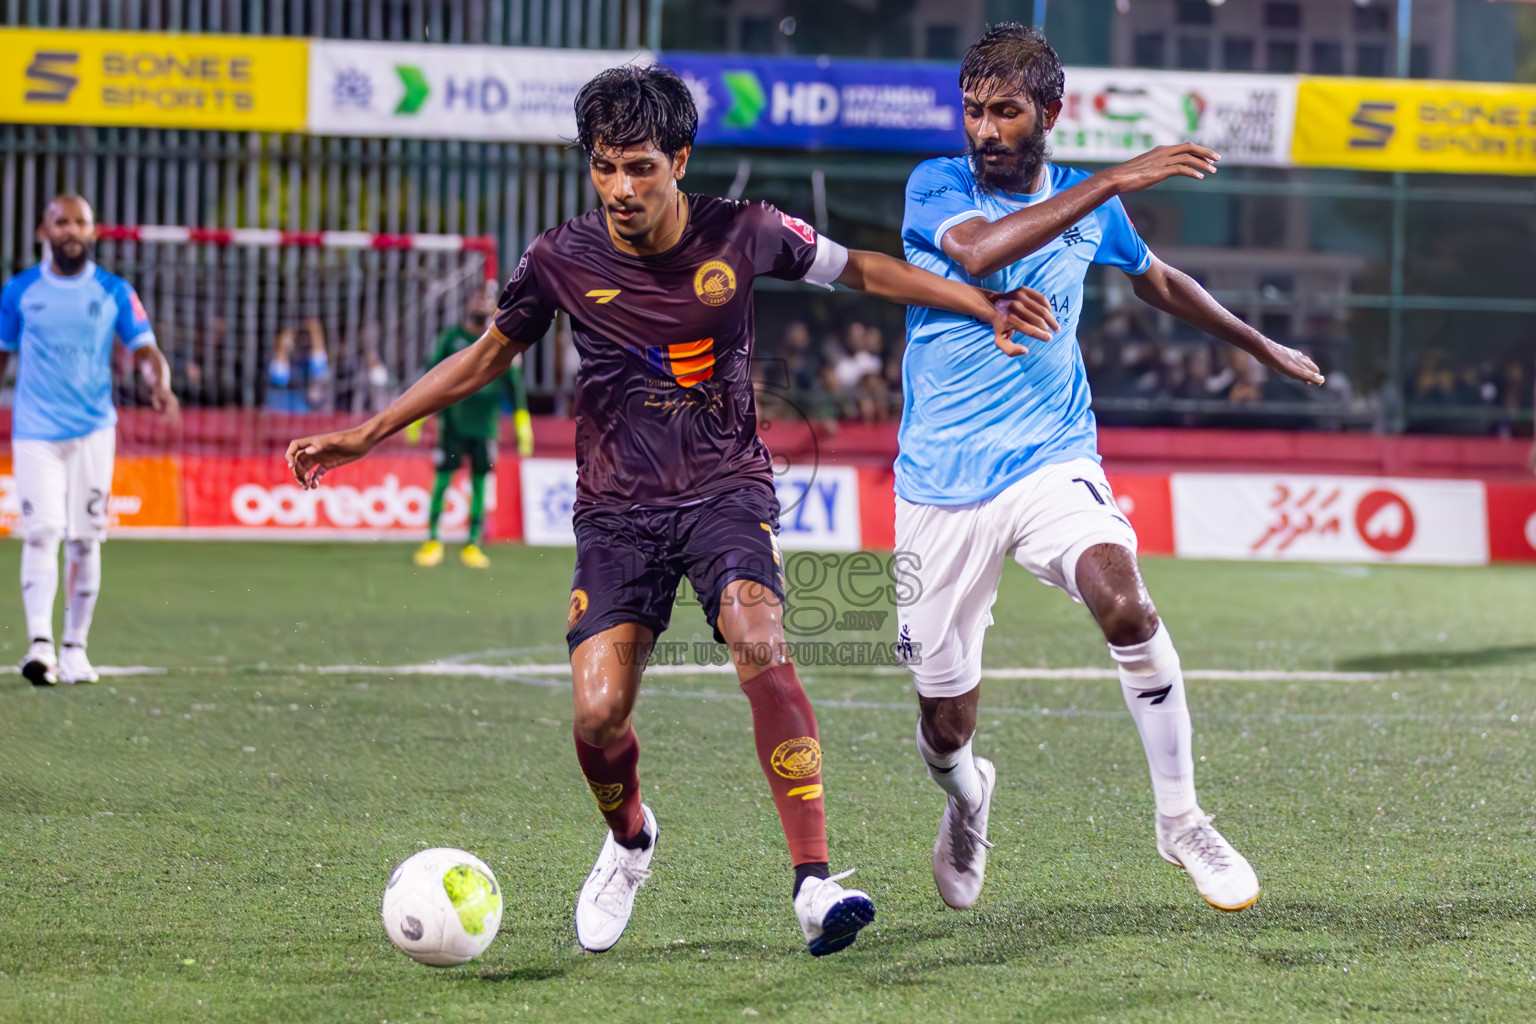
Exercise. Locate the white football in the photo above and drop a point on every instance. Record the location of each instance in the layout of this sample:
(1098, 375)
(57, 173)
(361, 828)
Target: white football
(442, 907)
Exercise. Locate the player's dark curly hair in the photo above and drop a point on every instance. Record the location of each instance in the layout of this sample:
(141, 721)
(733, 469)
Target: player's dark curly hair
(1013, 56)
(635, 106)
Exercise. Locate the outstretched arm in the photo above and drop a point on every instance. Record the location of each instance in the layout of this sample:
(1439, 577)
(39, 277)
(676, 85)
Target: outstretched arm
(984, 247)
(1175, 292)
(451, 380)
(1024, 310)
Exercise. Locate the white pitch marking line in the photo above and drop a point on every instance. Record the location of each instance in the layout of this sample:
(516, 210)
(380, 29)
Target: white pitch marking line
(561, 668)
(120, 670)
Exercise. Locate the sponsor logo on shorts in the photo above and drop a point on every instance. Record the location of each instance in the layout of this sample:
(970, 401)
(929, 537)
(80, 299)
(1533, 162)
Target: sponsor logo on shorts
(715, 283)
(577, 610)
(609, 796)
(806, 792)
(799, 758)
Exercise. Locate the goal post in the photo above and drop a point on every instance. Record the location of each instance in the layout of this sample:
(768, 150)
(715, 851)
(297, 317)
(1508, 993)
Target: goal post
(296, 321)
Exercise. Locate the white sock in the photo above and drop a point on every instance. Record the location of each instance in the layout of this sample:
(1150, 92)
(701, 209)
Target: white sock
(84, 561)
(955, 772)
(39, 583)
(1153, 684)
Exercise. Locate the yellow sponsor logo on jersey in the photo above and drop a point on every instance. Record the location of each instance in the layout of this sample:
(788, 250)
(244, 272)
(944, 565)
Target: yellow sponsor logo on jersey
(609, 796)
(604, 295)
(715, 283)
(799, 758)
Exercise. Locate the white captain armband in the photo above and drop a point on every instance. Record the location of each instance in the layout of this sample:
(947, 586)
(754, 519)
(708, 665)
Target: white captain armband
(828, 266)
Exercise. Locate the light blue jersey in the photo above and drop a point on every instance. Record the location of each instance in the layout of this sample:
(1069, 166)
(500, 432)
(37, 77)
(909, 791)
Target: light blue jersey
(975, 420)
(63, 328)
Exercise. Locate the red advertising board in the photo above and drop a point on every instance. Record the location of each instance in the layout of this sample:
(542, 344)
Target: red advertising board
(383, 496)
(1512, 522)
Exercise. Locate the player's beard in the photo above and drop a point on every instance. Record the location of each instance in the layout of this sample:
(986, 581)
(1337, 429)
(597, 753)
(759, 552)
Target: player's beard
(69, 256)
(1017, 168)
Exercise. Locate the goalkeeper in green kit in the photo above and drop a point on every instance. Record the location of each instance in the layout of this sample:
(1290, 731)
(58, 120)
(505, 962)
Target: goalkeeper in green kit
(468, 430)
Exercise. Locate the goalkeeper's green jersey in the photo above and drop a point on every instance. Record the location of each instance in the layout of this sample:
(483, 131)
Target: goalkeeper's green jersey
(479, 415)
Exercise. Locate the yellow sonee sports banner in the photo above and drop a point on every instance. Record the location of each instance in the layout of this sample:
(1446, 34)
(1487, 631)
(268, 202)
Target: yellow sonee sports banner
(152, 80)
(1396, 125)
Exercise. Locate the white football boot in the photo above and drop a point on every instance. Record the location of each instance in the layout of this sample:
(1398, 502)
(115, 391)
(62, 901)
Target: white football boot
(960, 852)
(40, 666)
(608, 894)
(830, 915)
(74, 666)
(1222, 876)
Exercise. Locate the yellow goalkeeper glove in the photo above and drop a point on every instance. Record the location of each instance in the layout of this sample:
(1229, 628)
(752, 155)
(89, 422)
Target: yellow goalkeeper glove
(523, 423)
(413, 432)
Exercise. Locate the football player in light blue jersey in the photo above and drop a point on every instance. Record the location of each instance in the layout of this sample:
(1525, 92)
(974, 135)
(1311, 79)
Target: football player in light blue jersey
(998, 455)
(60, 317)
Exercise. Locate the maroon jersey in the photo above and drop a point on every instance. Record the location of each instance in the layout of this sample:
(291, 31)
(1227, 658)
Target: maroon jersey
(665, 414)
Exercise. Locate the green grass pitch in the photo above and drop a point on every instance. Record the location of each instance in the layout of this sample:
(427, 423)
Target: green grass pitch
(211, 844)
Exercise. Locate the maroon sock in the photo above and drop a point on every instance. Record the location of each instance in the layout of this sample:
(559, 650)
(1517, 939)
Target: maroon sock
(613, 773)
(785, 728)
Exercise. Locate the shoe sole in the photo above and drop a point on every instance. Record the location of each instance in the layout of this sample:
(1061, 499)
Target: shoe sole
(842, 924)
(987, 804)
(1171, 859)
(36, 673)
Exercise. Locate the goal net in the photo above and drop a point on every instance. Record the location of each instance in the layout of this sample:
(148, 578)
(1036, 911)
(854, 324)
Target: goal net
(297, 325)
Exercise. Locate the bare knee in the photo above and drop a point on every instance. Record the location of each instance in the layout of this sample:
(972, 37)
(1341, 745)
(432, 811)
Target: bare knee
(602, 724)
(948, 723)
(1111, 586)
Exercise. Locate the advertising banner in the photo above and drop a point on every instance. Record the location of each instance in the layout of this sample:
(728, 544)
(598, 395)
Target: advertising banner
(549, 496)
(146, 494)
(1512, 522)
(819, 508)
(1395, 125)
(805, 103)
(377, 497)
(152, 80)
(1112, 114)
(497, 93)
(1329, 518)
(1108, 115)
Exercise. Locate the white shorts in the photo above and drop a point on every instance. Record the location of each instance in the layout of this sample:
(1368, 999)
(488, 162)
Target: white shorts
(64, 485)
(955, 555)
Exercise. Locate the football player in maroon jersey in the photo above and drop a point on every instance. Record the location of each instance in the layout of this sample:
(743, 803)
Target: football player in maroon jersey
(672, 478)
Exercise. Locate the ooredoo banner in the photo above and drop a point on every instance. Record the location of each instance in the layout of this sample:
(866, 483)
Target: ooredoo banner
(386, 496)
(1329, 518)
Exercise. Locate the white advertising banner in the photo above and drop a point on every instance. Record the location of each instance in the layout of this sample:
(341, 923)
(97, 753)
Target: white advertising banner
(1329, 518)
(819, 508)
(1112, 114)
(549, 495)
(496, 93)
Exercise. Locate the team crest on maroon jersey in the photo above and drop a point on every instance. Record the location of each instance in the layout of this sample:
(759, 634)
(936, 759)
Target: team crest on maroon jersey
(715, 283)
(799, 227)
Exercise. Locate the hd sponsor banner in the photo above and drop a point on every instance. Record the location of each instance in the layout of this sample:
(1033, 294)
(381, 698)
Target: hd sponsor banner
(1329, 518)
(1395, 125)
(375, 497)
(549, 497)
(146, 494)
(1108, 115)
(806, 103)
(513, 94)
(1112, 114)
(152, 80)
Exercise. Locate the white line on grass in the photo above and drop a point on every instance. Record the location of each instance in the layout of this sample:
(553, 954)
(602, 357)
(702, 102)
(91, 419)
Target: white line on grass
(562, 669)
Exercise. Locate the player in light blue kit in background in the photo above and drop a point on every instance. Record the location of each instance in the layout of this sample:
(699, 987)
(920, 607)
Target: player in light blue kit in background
(999, 452)
(60, 317)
